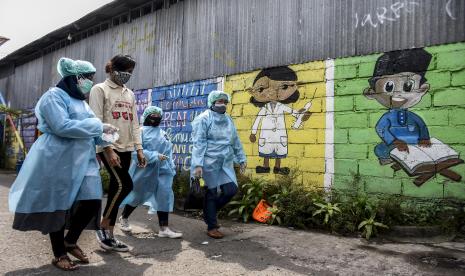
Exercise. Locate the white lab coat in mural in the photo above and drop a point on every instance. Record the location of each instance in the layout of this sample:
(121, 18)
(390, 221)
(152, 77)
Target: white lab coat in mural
(273, 133)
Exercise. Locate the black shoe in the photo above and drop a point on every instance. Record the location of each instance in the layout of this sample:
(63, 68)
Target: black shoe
(103, 238)
(260, 169)
(283, 171)
(119, 246)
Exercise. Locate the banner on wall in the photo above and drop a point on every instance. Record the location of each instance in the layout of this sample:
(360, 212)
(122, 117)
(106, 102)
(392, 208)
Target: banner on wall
(142, 101)
(181, 103)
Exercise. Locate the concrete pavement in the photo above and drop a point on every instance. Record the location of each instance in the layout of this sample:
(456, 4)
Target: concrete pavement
(248, 249)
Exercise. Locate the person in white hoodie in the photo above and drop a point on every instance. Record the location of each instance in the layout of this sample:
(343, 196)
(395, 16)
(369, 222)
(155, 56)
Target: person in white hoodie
(114, 103)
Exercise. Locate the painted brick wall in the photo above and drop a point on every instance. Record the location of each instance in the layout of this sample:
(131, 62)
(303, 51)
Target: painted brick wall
(306, 144)
(442, 109)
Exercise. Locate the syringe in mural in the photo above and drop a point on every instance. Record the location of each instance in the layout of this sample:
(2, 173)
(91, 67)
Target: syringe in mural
(272, 90)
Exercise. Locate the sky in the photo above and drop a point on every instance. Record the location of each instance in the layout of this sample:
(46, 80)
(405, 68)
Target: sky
(23, 21)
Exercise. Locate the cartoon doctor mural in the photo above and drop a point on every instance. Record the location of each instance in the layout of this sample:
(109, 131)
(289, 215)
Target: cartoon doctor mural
(272, 90)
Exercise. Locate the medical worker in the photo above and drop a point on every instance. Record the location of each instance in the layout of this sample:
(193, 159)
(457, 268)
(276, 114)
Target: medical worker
(114, 103)
(153, 184)
(59, 182)
(216, 146)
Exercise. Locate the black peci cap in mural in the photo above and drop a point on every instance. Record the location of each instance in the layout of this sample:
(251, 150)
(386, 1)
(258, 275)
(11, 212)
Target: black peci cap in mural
(411, 60)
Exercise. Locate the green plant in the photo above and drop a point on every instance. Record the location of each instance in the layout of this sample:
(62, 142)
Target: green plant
(105, 176)
(275, 215)
(369, 226)
(328, 210)
(251, 194)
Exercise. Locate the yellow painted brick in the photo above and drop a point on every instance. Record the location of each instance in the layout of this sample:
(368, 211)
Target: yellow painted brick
(315, 150)
(311, 76)
(316, 120)
(244, 135)
(313, 90)
(312, 164)
(250, 110)
(243, 123)
(305, 136)
(247, 149)
(295, 150)
(240, 76)
(308, 66)
(314, 180)
(321, 136)
(236, 110)
(238, 85)
(228, 86)
(290, 162)
(240, 97)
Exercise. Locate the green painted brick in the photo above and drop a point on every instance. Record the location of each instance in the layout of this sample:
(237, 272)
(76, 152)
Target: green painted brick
(448, 135)
(349, 120)
(344, 103)
(454, 190)
(429, 189)
(343, 182)
(438, 79)
(345, 166)
(350, 87)
(457, 116)
(345, 72)
(363, 136)
(446, 48)
(451, 96)
(374, 117)
(371, 150)
(341, 136)
(366, 69)
(383, 185)
(434, 117)
(363, 103)
(458, 78)
(426, 102)
(343, 151)
(373, 168)
(451, 60)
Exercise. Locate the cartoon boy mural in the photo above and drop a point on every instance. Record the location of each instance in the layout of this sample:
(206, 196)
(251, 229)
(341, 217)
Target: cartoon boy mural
(399, 83)
(272, 89)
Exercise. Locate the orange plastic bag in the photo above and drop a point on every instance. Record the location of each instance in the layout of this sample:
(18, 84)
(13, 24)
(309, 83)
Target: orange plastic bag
(261, 213)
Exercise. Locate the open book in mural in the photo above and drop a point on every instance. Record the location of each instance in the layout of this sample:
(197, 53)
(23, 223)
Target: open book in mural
(399, 83)
(273, 89)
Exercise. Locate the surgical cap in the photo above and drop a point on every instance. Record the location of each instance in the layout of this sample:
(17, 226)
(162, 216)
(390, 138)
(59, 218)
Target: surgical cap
(216, 95)
(68, 67)
(151, 110)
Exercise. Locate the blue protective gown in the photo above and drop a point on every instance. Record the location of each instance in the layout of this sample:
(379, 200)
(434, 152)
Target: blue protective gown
(153, 184)
(216, 146)
(61, 166)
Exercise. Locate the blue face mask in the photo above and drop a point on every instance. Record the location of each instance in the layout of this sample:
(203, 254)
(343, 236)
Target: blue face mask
(85, 85)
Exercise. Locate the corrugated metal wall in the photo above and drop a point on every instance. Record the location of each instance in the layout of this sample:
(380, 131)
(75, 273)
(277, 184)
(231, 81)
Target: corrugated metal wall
(199, 39)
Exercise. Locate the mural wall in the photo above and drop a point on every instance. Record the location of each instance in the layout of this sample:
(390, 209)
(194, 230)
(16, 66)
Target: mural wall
(280, 114)
(181, 103)
(385, 123)
(399, 122)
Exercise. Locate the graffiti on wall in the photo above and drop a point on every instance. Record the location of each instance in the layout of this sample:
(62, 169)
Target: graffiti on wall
(142, 101)
(181, 103)
(273, 89)
(399, 83)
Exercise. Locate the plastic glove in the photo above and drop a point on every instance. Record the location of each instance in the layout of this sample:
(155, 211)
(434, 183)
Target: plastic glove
(162, 157)
(110, 133)
(243, 167)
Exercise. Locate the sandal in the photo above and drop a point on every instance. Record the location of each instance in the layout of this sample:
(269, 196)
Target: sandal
(77, 252)
(64, 263)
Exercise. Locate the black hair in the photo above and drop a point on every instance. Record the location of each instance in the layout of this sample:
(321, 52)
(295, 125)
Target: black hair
(280, 73)
(120, 63)
(410, 60)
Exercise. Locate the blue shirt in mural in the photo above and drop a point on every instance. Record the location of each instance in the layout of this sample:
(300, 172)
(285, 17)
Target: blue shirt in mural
(401, 124)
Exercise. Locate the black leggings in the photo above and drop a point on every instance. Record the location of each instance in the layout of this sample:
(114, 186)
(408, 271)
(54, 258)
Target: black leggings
(162, 216)
(120, 185)
(85, 210)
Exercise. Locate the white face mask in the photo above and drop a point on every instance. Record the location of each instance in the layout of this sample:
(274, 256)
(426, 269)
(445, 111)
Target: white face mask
(85, 85)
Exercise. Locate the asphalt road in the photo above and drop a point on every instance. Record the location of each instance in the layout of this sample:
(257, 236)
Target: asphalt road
(248, 249)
